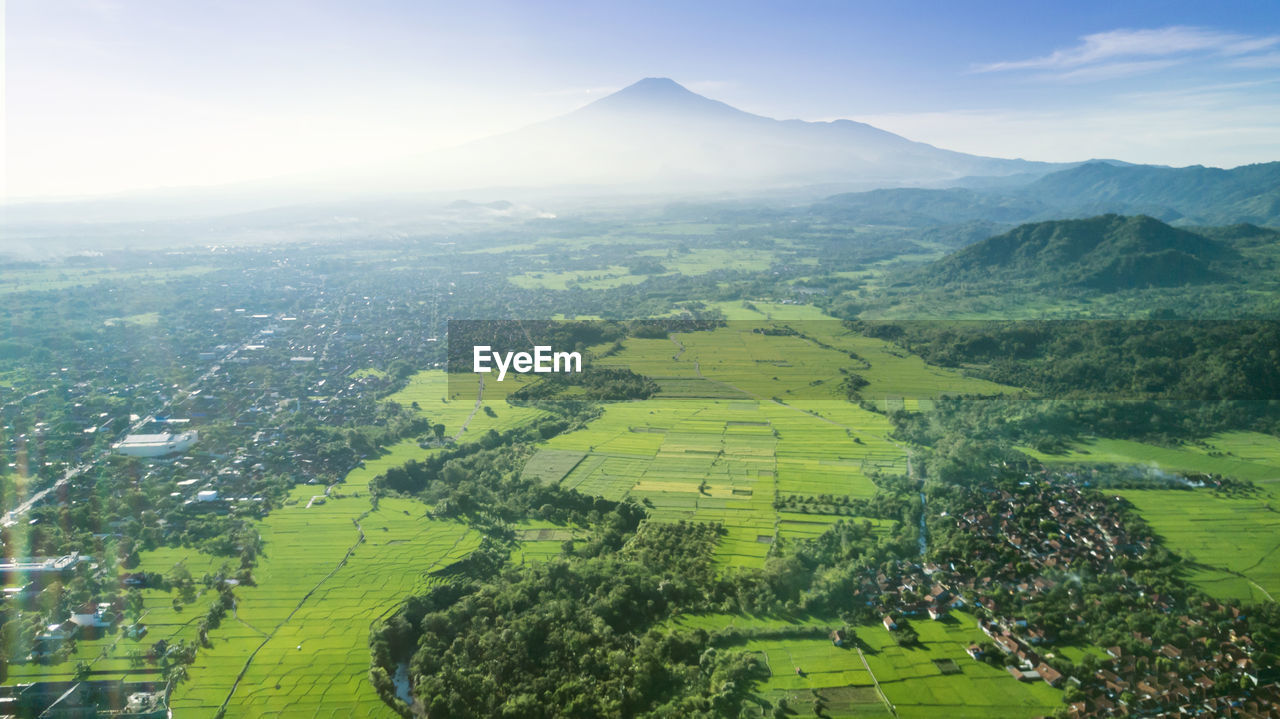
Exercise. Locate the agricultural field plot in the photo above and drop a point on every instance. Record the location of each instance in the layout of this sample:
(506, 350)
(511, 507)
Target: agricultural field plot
(917, 687)
(452, 402)
(809, 663)
(794, 367)
(1243, 455)
(911, 679)
(541, 540)
(723, 461)
(549, 466)
(798, 525)
(1234, 541)
(41, 279)
(601, 279)
(700, 261)
(300, 636)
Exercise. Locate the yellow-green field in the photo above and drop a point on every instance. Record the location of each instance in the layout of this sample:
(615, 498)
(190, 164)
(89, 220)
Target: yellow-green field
(329, 571)
(725, 461)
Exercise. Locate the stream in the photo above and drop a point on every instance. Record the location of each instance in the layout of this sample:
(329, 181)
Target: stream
(401, 680)
(924, 531)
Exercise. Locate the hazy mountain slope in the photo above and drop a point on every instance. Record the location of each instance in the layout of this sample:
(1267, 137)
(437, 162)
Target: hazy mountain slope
(657, 134)
(1203, 195)
(1110, 252)
(916, 207)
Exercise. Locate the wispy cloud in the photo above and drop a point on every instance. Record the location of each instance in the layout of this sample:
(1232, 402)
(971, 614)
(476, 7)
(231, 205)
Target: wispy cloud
(1265, 60)
(1118, 53)
(1221, 125)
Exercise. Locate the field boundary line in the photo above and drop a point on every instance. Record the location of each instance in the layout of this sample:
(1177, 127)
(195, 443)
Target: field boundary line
(479, 398)
(887, 704)
(222, 709)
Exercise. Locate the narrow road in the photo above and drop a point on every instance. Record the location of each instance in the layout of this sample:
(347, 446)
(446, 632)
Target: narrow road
(11, 517)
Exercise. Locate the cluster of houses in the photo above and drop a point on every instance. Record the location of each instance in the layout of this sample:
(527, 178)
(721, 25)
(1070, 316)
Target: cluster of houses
(1023, 662)
(1085, 530)
(1214, 677)
(1217, 677)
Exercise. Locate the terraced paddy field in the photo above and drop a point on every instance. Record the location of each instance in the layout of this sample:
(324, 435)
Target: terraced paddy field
(297, 644)
(1234, 541)
(725, 461)
(742, 418)
(742, 360)
(867, 676)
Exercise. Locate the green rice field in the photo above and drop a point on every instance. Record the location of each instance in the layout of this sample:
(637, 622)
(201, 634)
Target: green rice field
(872, 674)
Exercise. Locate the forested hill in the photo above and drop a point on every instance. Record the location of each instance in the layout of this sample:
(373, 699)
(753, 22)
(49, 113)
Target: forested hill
(1196, 195)
(1109, 252)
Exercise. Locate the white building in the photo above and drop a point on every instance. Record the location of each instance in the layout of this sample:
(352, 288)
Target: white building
(155, 445)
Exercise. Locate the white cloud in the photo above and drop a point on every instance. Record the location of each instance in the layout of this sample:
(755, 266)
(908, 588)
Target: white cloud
(1117, 53)
(1108, 71)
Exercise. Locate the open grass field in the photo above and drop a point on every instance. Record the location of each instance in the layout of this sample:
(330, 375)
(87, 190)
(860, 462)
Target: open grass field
(1235, 541)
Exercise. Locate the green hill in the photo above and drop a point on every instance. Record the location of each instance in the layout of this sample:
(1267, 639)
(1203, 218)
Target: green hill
(1109, 252)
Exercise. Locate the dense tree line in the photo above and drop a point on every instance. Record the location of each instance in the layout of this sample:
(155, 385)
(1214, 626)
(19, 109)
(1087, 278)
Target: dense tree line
(1105, 359)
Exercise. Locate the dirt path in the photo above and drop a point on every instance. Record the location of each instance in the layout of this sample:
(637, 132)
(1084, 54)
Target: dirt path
(887, 704)
(479, 398)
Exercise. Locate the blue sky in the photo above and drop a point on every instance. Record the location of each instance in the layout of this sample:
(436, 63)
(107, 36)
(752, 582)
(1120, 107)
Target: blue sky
(111, 95)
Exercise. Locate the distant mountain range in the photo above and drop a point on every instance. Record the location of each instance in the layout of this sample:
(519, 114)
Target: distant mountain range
(1109, 252)
(1184, 195)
